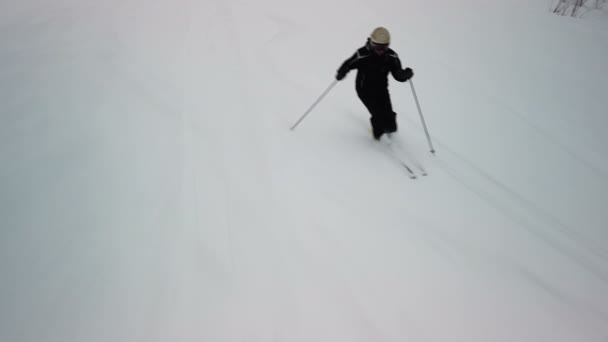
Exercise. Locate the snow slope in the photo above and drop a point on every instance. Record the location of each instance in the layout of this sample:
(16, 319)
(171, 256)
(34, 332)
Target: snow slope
(151, 189)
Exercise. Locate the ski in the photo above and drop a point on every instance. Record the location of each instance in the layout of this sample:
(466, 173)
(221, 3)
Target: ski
(393, 154)
(407, 168)
(411, 173)
(413, 160)
(420, 168)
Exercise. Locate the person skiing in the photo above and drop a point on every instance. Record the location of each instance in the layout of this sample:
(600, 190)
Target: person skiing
(373, 63)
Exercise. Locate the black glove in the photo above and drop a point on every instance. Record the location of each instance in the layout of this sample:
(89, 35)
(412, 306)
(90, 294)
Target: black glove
(408, 73)
(340, 75)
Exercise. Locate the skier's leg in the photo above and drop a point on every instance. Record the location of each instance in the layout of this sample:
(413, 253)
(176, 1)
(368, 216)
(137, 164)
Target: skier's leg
(377, 126)
(389, 117)
(376, 120)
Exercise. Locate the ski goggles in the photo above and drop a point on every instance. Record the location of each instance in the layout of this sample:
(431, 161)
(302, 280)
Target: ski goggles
(379, 47)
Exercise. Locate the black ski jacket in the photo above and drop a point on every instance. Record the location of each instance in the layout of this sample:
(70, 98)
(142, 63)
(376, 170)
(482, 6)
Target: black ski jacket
(373, 69)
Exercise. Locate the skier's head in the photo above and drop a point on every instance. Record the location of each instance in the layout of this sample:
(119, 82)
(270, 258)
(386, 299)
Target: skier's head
(379, 40)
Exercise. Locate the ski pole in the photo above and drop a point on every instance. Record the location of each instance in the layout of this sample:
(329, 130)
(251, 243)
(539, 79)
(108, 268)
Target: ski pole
(315, 104)
(428, 136)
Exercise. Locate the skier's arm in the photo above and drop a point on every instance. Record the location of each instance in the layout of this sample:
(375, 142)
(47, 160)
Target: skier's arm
(401, 75)
(347, 66)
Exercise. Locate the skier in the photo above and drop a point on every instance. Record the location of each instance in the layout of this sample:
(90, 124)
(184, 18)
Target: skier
(374, 61)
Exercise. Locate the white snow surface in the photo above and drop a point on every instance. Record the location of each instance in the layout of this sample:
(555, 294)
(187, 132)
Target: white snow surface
(151, 190)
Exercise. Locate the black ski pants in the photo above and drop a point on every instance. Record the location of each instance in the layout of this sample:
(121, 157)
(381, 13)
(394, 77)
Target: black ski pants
(378, 103)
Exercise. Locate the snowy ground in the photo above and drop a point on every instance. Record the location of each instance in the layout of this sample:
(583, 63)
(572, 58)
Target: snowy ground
(151, 190)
